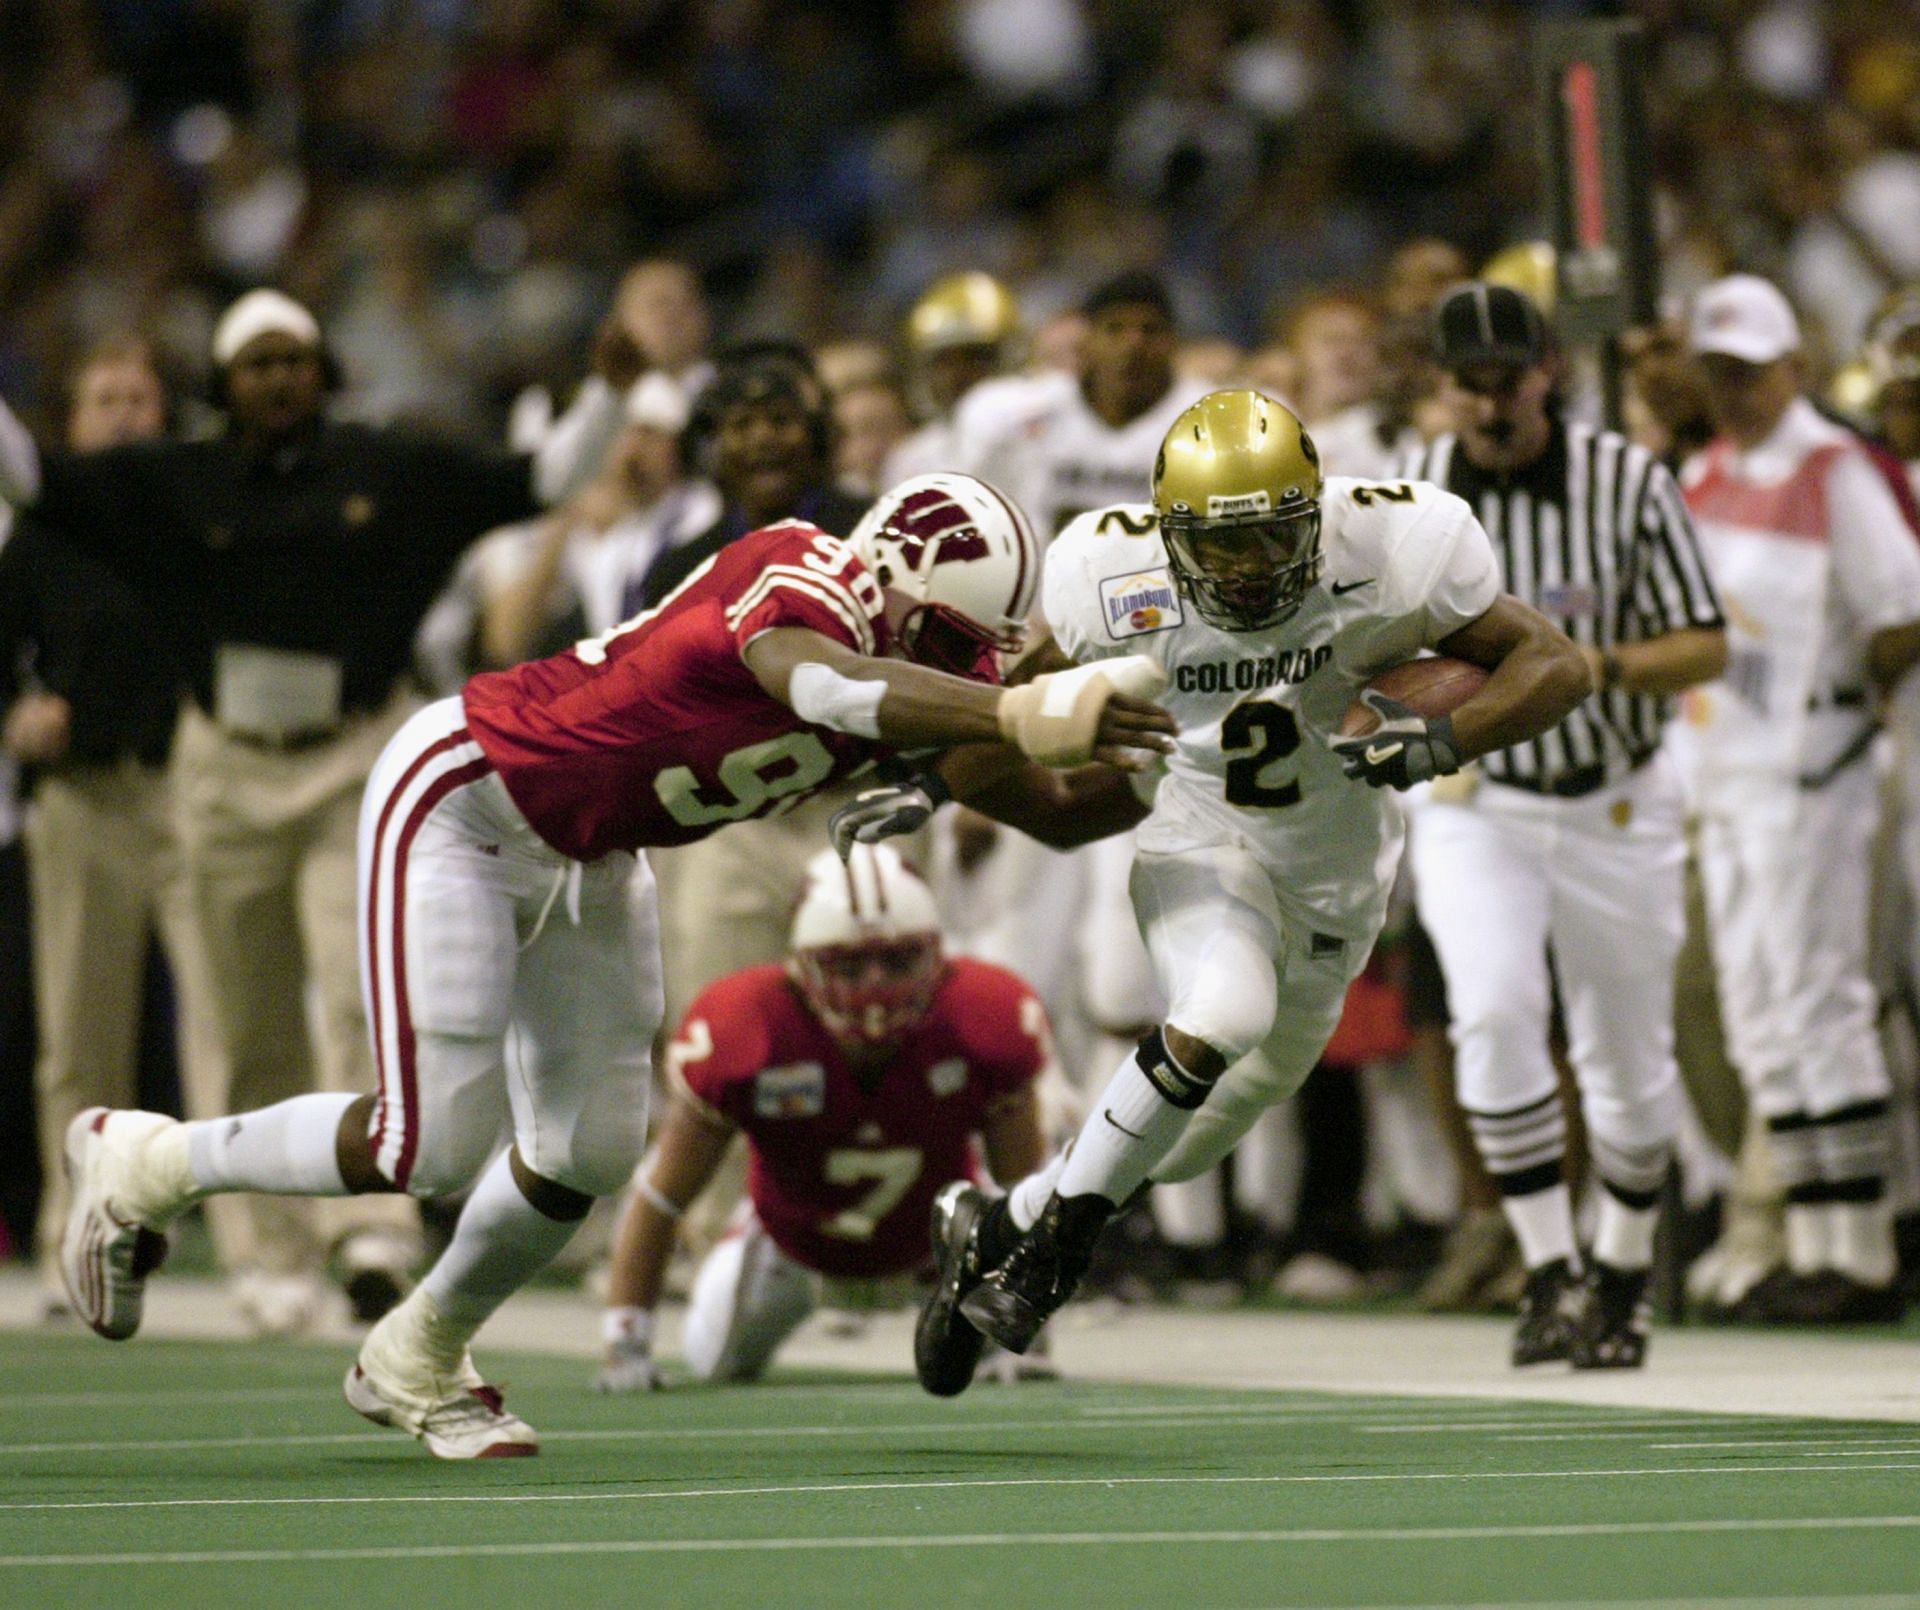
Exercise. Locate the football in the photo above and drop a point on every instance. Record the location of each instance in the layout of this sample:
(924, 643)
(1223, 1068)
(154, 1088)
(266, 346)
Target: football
(1432, 687)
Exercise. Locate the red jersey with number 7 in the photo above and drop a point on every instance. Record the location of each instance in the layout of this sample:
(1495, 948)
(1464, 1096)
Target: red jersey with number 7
(843, 1172)
(656, 732)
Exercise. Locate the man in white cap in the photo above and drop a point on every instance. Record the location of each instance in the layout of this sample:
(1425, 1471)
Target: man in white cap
(1820, 576)
(294, 557)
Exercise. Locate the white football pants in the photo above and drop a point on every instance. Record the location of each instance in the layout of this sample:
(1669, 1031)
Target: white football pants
(1507, 874)
(1787, 876)
(749, 1297)
(1243, 977)
(509, 989)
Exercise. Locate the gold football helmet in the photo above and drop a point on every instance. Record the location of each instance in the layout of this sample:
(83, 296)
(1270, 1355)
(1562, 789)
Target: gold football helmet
(1237, 486)
(963, 310)
(1529, 268)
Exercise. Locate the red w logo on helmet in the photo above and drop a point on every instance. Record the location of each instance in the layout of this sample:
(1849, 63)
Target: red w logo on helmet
(934, 521)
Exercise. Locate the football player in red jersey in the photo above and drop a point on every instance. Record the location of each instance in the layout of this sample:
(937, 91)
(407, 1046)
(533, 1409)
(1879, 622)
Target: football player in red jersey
(500, 833)
(859, 1072)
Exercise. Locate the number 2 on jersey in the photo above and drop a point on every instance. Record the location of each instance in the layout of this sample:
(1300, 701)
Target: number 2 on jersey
(1398, 493)
(1269, 733)
(893, 1170)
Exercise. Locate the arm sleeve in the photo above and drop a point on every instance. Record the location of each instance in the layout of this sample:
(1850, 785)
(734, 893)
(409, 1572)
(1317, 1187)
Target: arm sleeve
(1464, 579)
(1672, 589)
(1018, 1042)
(577, 443)
(696, 1067)
(1070, 601)
(806, 578)
(1875, 557)
(457, 493)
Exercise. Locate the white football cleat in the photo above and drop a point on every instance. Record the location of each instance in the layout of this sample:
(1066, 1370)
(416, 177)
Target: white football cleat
(121, 1201)
(272, 1305)
(411, 1376)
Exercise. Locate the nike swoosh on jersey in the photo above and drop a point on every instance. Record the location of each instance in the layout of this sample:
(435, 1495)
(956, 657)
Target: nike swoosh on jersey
(1340, 587)
(1136, 1134)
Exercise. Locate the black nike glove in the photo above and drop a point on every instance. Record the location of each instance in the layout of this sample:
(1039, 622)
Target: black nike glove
(1406, 748)
(886, 812)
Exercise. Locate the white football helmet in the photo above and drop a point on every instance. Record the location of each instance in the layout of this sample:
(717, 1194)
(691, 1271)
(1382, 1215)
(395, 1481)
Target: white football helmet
(866, 945)
(965, 554)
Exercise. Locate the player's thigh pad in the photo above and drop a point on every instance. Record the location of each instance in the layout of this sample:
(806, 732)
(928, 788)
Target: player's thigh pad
(1312, 993)
(585, 1009)
(1214, 931)
(437, 934)
(747, 1299)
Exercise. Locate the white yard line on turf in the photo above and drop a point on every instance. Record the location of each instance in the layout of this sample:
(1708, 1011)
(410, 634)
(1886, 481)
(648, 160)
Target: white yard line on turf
(968, 1482)
(117, 1400)
(736, 1545)
(1885, 1444)
(932, 1426)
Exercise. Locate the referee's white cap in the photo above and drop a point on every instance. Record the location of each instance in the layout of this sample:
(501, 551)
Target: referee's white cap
(258, 313)
(1744, 317)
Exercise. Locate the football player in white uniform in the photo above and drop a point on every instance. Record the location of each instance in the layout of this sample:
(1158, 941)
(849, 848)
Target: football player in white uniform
(960, 335)
(1060, 445)
(1271, 598)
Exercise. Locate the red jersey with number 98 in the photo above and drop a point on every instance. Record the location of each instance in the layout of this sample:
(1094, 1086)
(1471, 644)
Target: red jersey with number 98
(841, 1173)
(656, 732)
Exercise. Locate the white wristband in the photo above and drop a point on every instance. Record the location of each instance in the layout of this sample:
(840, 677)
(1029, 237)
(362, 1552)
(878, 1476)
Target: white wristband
(658, 1199)
(632, 1326)
(820, 694)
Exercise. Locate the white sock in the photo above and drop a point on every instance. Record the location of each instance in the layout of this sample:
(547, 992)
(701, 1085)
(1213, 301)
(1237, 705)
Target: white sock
(287, 1149)
(1808, 1251)
(1029, 1196)
(1623, 1239)
(1128, 1130)
(500, 1243)
(1860, 1241)
(1543, 1221)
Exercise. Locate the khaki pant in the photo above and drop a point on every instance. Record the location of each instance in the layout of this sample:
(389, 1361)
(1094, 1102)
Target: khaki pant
(267, 844)
(105, 875)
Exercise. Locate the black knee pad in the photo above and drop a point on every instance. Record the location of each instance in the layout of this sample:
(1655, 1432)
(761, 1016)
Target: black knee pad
(1179, 1087)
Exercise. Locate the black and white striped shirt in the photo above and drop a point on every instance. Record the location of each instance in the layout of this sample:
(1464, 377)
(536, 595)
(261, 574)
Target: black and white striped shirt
(1594, 535)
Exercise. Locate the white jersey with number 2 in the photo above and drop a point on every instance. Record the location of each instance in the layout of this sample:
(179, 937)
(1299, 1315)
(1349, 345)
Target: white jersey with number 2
(1406, 566)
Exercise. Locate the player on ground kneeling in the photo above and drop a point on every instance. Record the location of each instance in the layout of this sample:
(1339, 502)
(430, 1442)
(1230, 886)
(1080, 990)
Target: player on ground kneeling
(859, 1071)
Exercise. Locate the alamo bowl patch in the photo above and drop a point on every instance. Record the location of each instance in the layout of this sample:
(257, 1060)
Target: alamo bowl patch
(796, 1091)
(1142, 602)
(947, 1078)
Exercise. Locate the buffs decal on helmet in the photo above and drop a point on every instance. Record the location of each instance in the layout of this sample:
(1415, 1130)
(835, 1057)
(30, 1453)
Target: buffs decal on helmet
(1236, 485)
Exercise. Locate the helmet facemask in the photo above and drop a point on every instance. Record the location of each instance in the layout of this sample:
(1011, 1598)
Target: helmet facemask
(943, 639)
(871, 992)
(1245, 573)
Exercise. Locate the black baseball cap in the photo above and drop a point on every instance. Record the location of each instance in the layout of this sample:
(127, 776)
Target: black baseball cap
(1478, 323)
(1135, 286)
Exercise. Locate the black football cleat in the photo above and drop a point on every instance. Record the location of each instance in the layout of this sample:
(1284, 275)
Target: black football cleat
(1611, 1330)
(1010, 1305)
(946, 1350)
(1548, 1308)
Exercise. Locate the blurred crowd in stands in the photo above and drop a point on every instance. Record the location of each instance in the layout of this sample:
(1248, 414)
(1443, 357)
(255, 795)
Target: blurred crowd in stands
(456, 185)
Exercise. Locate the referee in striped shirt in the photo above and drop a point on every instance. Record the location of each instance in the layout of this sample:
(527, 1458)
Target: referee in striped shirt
(1573, 842)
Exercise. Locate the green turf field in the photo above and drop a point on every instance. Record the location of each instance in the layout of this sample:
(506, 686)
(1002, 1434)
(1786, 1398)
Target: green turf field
(217, 1475)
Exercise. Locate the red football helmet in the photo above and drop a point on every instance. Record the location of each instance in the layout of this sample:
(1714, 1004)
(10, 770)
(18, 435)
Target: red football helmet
(866, 945)
(966, 556)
